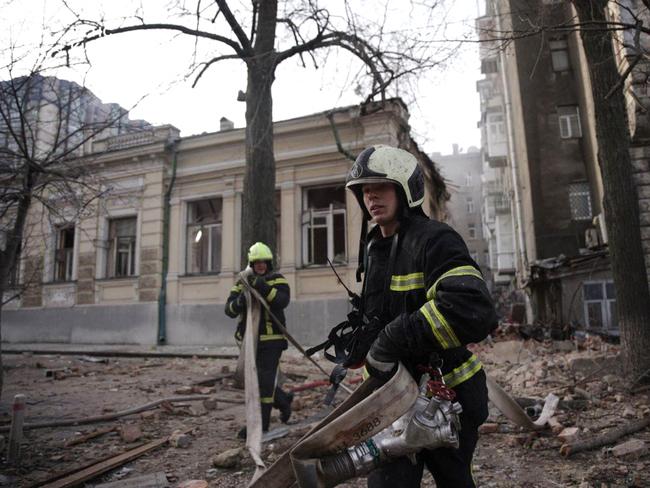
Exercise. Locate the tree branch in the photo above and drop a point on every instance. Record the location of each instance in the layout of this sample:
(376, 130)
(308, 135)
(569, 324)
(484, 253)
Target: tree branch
(144, 27)
(247, 48)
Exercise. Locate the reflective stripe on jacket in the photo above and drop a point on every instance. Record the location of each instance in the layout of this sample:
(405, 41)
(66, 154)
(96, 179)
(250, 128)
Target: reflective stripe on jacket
(276, 292)
(436, 290)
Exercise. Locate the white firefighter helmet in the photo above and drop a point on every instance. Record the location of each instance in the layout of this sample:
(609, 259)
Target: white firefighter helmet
(381, 163)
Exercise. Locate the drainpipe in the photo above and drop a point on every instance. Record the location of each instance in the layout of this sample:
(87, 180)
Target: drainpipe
(172, 147)
(520, 231)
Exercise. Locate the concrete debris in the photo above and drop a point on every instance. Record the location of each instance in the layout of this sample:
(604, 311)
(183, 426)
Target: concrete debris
(583, 372)
(193, 484)
(632, 449)
(155, 480)
(488, 428)
(180, 440)
(130, 432)
(210, 403)
(228, 459)
(184, 390)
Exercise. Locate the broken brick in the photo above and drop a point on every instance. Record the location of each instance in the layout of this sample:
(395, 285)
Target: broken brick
(569, 434)
(632, 449)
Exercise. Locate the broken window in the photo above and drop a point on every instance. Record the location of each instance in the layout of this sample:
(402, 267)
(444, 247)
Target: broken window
(63, 253)
(121, 247)
(204, 236)
(580, 201)
(323, 225)
(600, 305)
(569, 120)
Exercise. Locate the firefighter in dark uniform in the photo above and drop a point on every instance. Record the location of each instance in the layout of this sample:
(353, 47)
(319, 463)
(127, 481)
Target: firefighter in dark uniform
(274, 288)
(428, 299)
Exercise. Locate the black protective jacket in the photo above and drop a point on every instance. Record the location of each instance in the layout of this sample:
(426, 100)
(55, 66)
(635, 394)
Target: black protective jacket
(275, 290)
(435, 290)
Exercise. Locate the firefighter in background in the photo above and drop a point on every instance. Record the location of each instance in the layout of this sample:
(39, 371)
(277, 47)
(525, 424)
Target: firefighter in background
(274, 288)
(427, 299)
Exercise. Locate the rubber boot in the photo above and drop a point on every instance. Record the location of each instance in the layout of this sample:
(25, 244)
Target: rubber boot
(282, 401)
(266, 416)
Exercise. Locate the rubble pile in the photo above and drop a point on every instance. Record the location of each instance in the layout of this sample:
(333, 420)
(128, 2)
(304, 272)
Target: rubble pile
(173, 421)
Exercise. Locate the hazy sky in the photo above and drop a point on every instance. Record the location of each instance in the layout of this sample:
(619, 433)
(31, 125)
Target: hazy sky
(126, 67)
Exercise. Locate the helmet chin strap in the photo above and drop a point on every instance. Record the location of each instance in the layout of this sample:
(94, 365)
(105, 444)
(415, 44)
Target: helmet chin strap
(362, 248)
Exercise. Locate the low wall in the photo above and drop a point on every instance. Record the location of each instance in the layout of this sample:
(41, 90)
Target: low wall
(309, 321)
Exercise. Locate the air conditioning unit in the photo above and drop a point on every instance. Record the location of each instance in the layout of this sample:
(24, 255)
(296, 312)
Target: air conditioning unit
(599, 222)
(596, 236)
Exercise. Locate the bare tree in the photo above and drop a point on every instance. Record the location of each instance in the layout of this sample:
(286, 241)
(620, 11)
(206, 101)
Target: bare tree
(264, 34)
(46, 125)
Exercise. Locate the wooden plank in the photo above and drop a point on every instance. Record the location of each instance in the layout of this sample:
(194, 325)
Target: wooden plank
(67, 472)
(73, 441)
(104, 466)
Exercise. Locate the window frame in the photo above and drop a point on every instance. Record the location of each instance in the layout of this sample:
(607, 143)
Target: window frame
(556, 46)
(569, 123)
(67, 270)
(112, 249)
(469, 205)
(471, 230)
(207, 229)
(609, 321)
(307, 217)
(575, 193)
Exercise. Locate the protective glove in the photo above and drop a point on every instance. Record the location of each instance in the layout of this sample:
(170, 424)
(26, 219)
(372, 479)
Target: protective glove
(241, 302)
(255, 280)
(259, 283)
(381, 361)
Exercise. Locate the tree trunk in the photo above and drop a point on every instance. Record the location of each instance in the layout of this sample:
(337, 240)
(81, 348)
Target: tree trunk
(258, 213)
(620, 201)
(10, 255)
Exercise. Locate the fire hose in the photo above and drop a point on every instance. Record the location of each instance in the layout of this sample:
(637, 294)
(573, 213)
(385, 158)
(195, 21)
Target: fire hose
(381, 422)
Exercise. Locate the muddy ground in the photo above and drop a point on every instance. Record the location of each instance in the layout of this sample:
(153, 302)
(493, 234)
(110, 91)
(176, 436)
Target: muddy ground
(59, 387)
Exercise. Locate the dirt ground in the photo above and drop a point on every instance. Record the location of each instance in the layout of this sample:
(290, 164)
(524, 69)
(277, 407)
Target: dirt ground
(59, 387)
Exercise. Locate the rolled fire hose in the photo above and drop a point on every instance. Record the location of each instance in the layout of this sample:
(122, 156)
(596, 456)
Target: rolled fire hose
(353, 422)
(370, 409)
(252, 391)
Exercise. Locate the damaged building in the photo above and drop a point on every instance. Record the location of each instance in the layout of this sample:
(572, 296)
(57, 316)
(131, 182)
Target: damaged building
(98, 279)
(543, 212)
